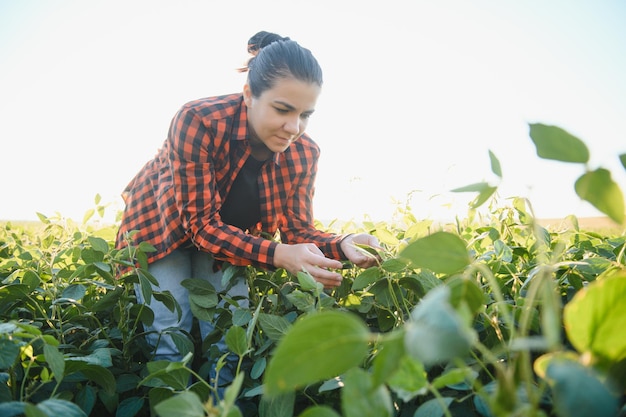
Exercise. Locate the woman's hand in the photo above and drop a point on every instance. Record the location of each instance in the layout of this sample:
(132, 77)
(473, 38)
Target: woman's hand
(357, 256)
(295, 258)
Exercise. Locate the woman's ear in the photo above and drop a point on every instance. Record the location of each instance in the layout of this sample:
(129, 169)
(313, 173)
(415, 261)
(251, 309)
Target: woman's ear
(247, 94)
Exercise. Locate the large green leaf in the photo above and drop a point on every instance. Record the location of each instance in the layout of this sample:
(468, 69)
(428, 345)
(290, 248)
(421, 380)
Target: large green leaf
(554, 143)
(598, 188)
(185, 404)
(595, 318)
(577, 392)
(359, 398)
(318, 346)
(409, 380)
(436, 333)
(441, 252)
(56, 407)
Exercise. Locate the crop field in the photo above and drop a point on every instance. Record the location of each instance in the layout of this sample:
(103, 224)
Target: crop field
(496, 315)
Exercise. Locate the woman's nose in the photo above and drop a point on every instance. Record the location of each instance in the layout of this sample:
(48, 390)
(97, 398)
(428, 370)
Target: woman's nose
(292, 125)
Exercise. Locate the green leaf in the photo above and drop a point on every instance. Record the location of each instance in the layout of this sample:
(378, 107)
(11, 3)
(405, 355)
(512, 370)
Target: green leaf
(433, 407)
(387, 360)
(173, 374)
(483, 196)
(168, 301)
(127, 382)
(8, 353)
(393, 265)
(95, 373)
(308, 283)
(98, 244)
(577, 392)
(145, 286)
(108, 300)
(367, 277)
(258, 368)
(12, 408)
(88, 215)
(622, 159)
(129, 407)
(319, 411)
(274, 327)
(465, 290)
(409, 380)
(86, 399)
(31, 410)
(318, 346)
(241, 317)
(436, 333)
(55, 407)
(495, 164)
(204, 300)
(236, 340)
(185, 404)
(278, 405)
(55, 361)
(476, 187)
(457, 377)
(183, 343)
(359, 398)
(602, 192)
(441, 252)
(100, 356)
(198, 286)
(595, 318)
(555, 143)
(201, 313)
(74, 292)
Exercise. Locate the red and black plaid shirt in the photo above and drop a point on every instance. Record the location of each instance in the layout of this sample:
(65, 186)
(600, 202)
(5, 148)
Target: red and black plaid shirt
(176, 197)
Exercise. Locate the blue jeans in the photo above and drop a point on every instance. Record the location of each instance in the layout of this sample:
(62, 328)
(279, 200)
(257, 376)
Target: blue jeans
(169, 273)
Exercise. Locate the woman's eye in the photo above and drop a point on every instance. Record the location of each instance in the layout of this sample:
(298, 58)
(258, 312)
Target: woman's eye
(282, 111)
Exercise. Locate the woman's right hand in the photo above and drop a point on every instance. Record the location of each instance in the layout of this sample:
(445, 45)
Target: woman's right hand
(307, 256)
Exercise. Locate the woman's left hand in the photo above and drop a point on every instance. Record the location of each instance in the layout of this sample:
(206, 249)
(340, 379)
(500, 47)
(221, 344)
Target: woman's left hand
(355, 255)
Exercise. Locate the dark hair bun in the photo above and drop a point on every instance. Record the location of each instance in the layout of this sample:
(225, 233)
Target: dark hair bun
(261, 39)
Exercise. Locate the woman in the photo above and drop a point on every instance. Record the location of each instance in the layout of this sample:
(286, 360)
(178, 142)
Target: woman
(233, 167)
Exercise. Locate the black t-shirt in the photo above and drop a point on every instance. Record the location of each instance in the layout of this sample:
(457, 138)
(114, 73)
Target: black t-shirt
(242, 206)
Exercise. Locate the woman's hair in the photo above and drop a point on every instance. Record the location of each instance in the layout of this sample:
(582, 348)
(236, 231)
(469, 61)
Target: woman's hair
(275, 58)
(261, 39)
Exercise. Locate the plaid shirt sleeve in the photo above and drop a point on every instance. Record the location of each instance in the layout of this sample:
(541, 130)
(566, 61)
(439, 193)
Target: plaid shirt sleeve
(297, 221)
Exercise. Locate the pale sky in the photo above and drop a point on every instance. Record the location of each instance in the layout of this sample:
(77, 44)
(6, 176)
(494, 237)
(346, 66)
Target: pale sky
(416, 93)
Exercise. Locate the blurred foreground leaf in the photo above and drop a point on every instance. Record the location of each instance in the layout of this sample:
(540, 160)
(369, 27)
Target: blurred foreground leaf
(602, 192)
(441, 252)
(595, 319)
(554, 143)
(318, 346)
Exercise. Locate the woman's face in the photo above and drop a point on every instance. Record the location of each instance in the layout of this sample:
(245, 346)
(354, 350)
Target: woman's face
(279, 115)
